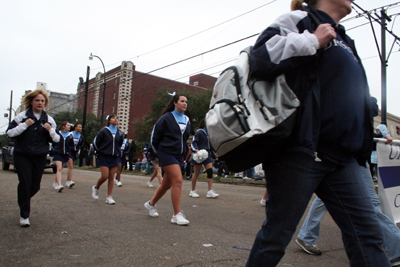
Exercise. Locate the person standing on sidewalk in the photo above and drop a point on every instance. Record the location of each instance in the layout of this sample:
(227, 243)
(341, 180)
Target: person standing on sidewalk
(62, 151)
(32, 131)
(324, 152)
(201, 141)
(132, 151)
(79, 141)
(108, 144)
(168, 138)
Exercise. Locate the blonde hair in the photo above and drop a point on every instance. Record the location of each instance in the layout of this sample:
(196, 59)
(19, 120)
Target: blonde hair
(28, 98)
(298, 4)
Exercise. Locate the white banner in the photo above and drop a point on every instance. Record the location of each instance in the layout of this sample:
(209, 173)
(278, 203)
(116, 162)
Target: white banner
(389, 178)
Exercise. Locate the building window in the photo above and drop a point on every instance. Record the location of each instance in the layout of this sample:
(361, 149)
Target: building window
(90, 103)
(113, 109)
(196, 83)
(114, 95)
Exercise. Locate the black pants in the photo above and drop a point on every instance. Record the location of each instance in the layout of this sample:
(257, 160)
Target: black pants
(30, 170)
(130, 160)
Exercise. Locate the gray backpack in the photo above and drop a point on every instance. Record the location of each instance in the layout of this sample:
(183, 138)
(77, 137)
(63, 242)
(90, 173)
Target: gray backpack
(247, 119)
(250, 120)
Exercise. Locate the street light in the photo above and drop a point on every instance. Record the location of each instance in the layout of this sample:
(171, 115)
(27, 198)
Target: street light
(104, 87)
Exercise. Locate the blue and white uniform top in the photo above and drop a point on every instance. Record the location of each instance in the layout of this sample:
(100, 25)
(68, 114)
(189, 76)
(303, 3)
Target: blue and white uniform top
(66, 144)
(171, 132)
(109, 141)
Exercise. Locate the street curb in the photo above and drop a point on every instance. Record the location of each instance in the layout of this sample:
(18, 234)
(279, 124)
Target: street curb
(242, 181)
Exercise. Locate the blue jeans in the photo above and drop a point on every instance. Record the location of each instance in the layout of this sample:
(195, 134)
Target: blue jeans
(250, 172)
(291, 181)
(309, 232)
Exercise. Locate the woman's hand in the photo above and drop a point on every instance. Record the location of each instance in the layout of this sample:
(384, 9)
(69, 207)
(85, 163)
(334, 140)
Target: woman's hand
(325, 33)
(47, 126)
(29, 122)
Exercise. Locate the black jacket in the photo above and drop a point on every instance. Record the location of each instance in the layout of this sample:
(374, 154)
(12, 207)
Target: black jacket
(105, 143)
(32, 140)
(65, 146)
(167, 135)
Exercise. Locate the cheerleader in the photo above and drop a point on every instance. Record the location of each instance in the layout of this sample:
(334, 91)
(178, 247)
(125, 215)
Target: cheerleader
(62, 151)
(201, 142)
(108, 144)
(79, 141)
(168, 139)
(122, 161)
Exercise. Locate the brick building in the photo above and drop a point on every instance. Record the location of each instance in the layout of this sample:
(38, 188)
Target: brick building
(129, 93)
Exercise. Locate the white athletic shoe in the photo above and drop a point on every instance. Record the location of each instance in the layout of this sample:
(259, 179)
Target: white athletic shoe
(58, 187)
(24, 222)
(262, 202)
(69, 184)
(115, 181)
(149, 184)
(119, 184)
(193, 194)
(212, 194)
(152, 209)
(110, 200)
(179, 219)
(95, 192)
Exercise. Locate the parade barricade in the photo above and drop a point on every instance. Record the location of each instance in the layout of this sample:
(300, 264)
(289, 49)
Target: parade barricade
(389, 177)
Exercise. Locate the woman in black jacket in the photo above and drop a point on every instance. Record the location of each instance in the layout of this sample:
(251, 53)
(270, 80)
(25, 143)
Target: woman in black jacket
(32, 130)
(169, 140)
(108, 144)
(62, 151)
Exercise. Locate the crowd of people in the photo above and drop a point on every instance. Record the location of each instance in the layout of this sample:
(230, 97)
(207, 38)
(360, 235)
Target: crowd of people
(326, 154)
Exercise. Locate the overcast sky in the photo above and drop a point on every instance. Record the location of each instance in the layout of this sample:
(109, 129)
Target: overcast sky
(50, 41)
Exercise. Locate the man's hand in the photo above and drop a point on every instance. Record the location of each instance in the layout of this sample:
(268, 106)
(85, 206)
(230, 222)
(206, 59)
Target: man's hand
(388, 138)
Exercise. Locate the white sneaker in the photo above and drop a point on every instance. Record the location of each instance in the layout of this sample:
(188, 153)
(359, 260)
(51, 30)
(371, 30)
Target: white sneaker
(24, 222)
(193, 194)
(262, 202)
(95, 192)
(212, 194)
(152, 209)
(69, 184)
(115, 181)
(149, 184)
(119, 184)
(179, 219)
(58, 187)
(110, 200)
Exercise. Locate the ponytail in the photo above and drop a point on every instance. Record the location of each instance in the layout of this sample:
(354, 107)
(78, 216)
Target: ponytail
(170, 107)
(298, 4)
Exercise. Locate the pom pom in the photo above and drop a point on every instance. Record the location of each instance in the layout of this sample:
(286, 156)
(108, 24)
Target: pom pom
(200, 156)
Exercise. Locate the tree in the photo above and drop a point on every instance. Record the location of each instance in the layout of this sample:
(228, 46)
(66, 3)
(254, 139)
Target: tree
(198, 105)
(92, 126)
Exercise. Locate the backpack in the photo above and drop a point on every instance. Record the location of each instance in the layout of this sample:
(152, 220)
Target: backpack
(249, 120)
(148, 151)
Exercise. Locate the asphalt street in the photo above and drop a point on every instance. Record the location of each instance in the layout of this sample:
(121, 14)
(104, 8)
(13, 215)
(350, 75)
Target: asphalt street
(72, 229)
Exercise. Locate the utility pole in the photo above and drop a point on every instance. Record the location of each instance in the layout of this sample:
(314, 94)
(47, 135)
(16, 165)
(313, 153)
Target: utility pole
(84, 111)
(382, 52)
(9, 119)
(384, 63)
